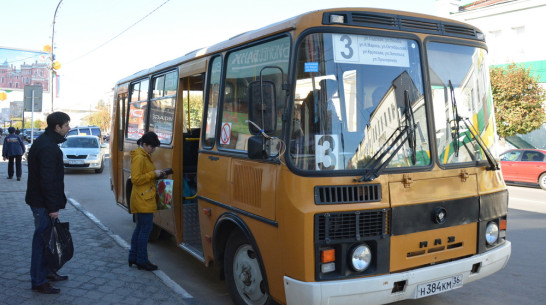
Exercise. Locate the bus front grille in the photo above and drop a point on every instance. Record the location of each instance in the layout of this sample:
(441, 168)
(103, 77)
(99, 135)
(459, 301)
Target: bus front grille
(405, 23)
(339, 194)
(455, 30)
(380, 20)
(351, 226)
(419, 25)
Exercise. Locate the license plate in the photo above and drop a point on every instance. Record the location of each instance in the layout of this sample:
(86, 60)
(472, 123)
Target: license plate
(75, 161)
(439, 286)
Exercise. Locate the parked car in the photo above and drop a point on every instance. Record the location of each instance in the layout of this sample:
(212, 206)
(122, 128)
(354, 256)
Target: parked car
(27, 133)
(524, 166)
(85, 130)
(36, 134)
(83, 152)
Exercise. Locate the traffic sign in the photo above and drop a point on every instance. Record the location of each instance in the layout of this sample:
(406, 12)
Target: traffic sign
(37, 90)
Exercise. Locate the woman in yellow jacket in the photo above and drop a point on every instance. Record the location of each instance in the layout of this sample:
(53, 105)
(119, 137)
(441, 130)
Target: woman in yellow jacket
(143, 201)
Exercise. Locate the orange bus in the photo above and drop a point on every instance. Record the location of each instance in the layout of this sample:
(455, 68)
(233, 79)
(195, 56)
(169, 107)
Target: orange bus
(343, 156)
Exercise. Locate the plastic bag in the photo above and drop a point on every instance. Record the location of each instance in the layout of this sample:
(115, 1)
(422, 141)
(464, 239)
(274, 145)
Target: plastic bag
(164, 194)
(58, 244)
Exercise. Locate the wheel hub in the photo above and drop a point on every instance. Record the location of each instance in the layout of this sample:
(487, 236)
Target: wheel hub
(246, 276)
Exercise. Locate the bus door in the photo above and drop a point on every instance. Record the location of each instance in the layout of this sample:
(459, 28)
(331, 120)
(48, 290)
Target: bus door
(116, 147)
(191, 96)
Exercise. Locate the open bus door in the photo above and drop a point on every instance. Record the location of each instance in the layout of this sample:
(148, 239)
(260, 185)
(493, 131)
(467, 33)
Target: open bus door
(116, 147)
(191, 92)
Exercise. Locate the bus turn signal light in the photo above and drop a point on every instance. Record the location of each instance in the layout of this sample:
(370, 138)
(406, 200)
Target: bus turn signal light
(502, 224)
(328, 255)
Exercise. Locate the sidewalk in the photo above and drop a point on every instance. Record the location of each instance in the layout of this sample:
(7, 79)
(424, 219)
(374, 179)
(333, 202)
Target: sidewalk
(98, 272)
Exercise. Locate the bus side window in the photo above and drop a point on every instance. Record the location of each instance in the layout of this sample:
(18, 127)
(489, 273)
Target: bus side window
(238, 75)
(138, 107)
(213, 98)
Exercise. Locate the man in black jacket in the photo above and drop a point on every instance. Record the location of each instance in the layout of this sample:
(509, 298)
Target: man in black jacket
(13, 149)
(45, 195)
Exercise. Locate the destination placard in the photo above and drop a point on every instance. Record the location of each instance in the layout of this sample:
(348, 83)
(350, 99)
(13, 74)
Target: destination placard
(371, 50)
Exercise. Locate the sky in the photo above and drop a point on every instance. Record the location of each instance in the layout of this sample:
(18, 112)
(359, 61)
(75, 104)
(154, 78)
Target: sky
(98, 42)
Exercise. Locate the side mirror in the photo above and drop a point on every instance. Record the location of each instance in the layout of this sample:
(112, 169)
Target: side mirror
(262, 107)
(257, 148)
(262, 148)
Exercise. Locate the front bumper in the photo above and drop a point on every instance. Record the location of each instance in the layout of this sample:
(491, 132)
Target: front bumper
(378, 289)
(83, 164)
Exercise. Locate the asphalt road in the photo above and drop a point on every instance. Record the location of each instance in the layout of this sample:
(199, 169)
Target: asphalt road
(521, 282)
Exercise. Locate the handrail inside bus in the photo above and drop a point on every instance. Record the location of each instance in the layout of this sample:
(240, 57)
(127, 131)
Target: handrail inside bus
(192, 197)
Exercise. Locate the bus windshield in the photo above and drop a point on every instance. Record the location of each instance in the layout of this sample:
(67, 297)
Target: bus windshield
(359, 104)
(462, 100)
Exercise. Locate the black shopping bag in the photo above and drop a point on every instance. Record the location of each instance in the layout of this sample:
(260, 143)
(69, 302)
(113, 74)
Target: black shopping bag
(58, 244)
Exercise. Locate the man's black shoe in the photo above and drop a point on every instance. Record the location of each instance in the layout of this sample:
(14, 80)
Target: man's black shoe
(10, 177)
(56, 277)
(46, 289)
(18, 178)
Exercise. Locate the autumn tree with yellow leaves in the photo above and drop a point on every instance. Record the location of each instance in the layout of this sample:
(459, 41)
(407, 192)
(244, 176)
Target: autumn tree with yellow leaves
(519, 100)
(102, 117)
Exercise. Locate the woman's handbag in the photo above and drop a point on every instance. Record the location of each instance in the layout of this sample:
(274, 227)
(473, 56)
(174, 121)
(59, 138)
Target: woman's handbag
(58, 244)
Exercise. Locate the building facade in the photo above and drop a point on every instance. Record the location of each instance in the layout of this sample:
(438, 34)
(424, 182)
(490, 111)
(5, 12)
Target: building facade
(16, 78)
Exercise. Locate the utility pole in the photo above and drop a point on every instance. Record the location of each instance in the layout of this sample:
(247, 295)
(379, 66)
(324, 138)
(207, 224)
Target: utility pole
(53, 56)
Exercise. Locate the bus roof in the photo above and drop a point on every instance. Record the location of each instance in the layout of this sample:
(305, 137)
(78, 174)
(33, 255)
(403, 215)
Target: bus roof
(377, 18)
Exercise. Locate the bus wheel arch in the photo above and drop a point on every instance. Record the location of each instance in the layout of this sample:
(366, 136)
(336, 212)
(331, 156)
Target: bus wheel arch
(232, 242)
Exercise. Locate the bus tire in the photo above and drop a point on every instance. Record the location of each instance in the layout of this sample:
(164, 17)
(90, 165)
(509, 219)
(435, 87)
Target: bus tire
(542, 181)
(242, 269)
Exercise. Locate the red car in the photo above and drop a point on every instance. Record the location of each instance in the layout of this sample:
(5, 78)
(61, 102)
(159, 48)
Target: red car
(524, 166)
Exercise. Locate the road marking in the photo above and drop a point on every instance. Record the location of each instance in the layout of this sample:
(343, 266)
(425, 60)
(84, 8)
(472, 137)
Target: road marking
(122, 243)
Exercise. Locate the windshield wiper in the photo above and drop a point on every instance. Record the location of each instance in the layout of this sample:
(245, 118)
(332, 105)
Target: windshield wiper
(390, 148)
(412, 138)
(493, 165)
(454, 123)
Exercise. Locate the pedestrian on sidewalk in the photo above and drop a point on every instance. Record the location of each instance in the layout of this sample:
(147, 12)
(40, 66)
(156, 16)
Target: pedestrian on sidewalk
(13, 151)
(18, 133)
(143, 201)
(45, 195)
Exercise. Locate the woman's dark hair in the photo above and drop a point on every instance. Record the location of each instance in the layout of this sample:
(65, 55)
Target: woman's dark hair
(57, 118)
(150, 138)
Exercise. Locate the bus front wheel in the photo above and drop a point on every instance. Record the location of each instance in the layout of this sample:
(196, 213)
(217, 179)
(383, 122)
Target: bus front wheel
(243, 274)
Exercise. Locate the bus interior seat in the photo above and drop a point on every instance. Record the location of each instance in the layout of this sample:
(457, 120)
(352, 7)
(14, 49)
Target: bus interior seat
(191, 148)
(189, 187)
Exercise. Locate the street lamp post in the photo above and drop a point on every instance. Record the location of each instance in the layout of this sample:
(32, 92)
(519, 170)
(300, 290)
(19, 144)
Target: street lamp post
(52, 55)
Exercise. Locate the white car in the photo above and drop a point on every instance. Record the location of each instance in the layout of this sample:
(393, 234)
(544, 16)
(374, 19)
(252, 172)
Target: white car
(83, 152)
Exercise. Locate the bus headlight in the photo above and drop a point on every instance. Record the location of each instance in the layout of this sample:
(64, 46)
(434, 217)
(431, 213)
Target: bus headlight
(361, 257)
(491, 233)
